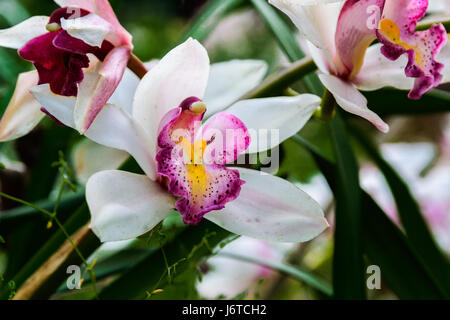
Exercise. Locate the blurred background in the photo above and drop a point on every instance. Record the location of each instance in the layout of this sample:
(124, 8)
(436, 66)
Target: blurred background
(417, 146)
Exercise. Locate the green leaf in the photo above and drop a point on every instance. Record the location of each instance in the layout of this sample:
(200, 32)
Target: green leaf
(387, 248)
(78, 219)
(348, 264)
(295, 272)
(284, 35)
(209, 17)
(2, 240)
(184, 252)
(415, 225)
(286, 39)
(386, 102)
(384, 243)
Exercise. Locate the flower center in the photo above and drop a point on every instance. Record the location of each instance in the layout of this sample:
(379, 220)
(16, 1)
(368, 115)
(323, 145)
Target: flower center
(390, 30)
(199, 184)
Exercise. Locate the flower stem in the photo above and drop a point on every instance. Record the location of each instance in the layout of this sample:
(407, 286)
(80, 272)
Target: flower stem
(137, 66)
(327, 108)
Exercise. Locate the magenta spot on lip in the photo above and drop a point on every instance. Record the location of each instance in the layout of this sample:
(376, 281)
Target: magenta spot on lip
(59, 58)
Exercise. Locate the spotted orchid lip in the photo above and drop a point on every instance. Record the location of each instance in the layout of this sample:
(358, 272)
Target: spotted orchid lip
(397, 34)
(201, 186)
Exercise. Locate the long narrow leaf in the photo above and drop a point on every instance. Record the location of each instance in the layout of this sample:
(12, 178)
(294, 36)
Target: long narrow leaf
(209, 17)
(348, 264)
(384, 243)
(295, 272)
(286, 39)
(417, 231)
(395, 102)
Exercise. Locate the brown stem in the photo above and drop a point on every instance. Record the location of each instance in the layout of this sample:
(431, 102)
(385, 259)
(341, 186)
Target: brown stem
(137, 66)
(53, 272)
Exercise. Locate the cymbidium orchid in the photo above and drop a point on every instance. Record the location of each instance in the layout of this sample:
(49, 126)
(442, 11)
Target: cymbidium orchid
(338, 35)
(61, 47)
(185, 161)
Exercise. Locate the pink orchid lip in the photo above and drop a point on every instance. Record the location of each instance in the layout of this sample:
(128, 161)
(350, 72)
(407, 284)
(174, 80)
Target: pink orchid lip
(58, 57)
(199, 186)
(397, 34)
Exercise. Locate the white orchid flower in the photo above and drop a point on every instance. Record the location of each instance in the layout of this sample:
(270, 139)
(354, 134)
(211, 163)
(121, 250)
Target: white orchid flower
(338, 34)
(163, 125)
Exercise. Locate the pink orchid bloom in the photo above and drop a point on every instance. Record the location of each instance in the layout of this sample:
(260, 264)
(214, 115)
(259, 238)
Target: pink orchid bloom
(338, 35)
(59, 46)
(184, 161)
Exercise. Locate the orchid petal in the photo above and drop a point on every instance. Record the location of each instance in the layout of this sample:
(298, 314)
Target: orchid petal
(444, 58)
(182, 73)
(112, 128)
(95, 91)
(351, 100)
(124, 94)
(315, 19)
(280, 116)
(378, 72)
(397, 33)
(17, 36)
(103, 9)
(23, 112)
(91, 29)
(271, 208)
(90, 158)
(355, 31)
(124, 205)
(439, 6)
(230, 80)
(226, 137)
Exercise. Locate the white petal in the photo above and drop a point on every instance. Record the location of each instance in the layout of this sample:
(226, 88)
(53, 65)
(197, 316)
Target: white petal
(23, 111)
(230, 80)
(124, 205)
(378, 72)
(113, 127)
(444, 57)
(91, 29)
(124, 94)
(315, 19)
(439, 6)
(17, 36)
(351, 100)
(60, 107)
(90, 158)
(182, 73)
(270, 121)
(271, 208)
